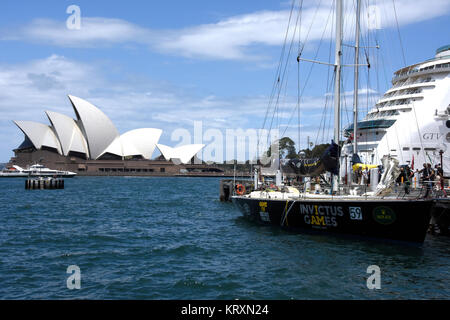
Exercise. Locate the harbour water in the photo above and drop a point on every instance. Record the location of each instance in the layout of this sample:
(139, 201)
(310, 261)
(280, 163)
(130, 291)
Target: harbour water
(171, 238)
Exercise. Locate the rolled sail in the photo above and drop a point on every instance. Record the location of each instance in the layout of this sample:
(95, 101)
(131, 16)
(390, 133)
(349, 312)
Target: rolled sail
(315, 166)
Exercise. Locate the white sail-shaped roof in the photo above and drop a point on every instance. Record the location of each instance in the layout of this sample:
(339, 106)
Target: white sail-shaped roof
(98, 129)
(68, 133)
(144, 140)
(114, 148)
(135, 142)
(184, 153)
(39, 134)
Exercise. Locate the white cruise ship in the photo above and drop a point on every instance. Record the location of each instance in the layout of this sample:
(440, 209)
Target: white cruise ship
(411, 122)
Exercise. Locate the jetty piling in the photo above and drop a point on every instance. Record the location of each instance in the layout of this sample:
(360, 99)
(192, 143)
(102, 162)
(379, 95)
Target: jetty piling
(41, 184)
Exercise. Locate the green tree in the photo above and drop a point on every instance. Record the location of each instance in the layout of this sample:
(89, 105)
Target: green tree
(317, 151)
(286, 147)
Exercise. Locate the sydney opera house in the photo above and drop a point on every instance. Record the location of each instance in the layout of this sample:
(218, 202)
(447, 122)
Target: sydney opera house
(91, 145)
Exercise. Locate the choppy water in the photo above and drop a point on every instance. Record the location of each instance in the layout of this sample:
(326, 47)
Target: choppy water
(170, 238)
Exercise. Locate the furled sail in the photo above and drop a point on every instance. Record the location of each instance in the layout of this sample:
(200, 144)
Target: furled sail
(315, 166)
(357, 164)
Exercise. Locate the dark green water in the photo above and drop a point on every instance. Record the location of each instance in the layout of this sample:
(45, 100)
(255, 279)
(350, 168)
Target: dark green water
(170, 238)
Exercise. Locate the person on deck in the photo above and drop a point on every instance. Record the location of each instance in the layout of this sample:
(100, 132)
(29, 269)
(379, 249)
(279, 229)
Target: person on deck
(365, 177)
(423, 173)
(439, 176)
(403, 178)
(428, 177)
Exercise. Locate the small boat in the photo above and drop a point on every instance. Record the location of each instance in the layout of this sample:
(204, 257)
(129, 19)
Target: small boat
(13, 171)
(35, 170)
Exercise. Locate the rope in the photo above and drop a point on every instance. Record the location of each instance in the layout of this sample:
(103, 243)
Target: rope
(277, 76)
(399, 36)
(287, 212)
(310, 71)
(283, 77)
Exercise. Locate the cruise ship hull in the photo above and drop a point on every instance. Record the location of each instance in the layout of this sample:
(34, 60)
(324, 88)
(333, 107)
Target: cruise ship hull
(399, 220)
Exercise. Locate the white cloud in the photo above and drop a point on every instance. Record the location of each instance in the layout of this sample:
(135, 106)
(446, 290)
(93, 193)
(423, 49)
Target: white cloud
(232, 38)
(411, 11)
(228, 39)
(93, 32)
(39, 84)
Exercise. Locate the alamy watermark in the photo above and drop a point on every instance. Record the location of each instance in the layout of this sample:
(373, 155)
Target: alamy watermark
(374, 280)
(74, 280)
(230, 145)
(73, 22)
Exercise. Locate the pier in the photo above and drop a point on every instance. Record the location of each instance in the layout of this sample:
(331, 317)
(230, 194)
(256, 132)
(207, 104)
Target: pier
(41, 183)
(229, 187)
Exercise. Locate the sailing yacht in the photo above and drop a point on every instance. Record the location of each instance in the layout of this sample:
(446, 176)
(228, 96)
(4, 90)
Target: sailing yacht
(351, 210)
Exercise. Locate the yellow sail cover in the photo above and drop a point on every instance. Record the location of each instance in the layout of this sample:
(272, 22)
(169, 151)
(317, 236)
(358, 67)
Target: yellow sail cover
(363, 166)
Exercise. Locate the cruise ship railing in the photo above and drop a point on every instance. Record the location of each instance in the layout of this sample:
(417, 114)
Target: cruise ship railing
(420, 72)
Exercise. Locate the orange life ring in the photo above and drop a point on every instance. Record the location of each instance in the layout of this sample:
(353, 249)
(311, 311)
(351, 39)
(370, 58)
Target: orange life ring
(240, 189)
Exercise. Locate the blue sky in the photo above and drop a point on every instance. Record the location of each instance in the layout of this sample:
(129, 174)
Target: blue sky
(166, 64)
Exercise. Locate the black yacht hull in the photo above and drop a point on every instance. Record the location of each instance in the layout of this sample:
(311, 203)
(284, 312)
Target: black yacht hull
(401, 220)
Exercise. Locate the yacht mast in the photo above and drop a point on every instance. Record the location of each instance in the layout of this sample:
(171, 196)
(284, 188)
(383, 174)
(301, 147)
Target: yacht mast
(355, 87)
(337, 84)
(337, 67)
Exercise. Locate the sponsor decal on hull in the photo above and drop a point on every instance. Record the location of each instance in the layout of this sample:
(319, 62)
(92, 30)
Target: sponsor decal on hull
(384, 215)
(322, 216)
(263, 211)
